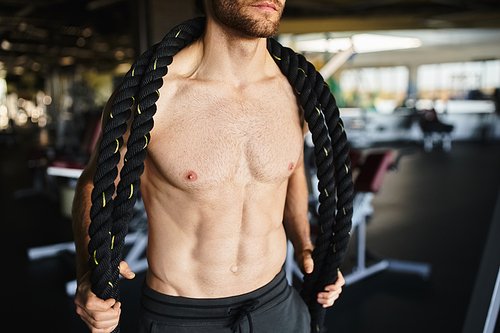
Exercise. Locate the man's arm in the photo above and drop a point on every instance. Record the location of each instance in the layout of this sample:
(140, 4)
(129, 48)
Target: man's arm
(81, 215)
(295, 217)
(298, 231)
(99, 315)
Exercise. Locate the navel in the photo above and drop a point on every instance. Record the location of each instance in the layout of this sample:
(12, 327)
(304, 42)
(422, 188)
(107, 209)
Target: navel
(190, 176)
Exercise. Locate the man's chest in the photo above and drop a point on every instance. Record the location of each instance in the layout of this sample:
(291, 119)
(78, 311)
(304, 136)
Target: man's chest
(217, 139)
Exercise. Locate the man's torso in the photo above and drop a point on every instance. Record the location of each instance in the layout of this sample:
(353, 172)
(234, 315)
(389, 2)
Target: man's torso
(215, 184)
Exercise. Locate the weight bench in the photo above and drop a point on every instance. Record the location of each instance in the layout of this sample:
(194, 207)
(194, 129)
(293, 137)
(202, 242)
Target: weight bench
(367, 184)
(370, 177)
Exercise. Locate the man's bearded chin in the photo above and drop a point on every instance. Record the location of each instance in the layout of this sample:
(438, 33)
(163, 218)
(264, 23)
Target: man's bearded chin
(230, 14)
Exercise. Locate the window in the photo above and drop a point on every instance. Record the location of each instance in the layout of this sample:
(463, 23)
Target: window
(461, 80)
(381, 89)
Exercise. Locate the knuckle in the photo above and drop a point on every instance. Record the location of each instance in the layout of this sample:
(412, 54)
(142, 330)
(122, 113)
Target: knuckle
(79, 311)
(90, 304)
(101, 326)
(98, 325)
(97, 317)
(100, 317)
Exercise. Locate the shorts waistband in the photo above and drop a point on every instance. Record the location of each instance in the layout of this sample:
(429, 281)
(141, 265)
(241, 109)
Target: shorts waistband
(175, 307)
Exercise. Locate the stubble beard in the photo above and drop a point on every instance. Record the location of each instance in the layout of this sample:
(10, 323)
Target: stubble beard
(231, 13)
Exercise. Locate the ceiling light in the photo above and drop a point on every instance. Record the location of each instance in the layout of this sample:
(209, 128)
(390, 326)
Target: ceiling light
(363, 43)
(324, 45)
(6, 45)
(47, 100)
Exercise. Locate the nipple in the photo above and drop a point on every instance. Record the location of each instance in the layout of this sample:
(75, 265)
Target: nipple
(290, 166)
(234, 269)
(191, 176)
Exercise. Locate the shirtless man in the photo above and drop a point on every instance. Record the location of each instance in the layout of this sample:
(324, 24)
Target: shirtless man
(223, 179)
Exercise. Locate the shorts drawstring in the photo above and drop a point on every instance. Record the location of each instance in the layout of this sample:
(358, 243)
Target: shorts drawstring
(243, 311)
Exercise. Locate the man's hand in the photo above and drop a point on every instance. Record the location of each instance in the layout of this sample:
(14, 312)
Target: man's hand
(332, 292)
(101, 316)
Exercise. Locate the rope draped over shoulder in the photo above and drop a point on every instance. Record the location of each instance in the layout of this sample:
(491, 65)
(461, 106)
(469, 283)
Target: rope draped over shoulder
(110, 216)
(332, 161)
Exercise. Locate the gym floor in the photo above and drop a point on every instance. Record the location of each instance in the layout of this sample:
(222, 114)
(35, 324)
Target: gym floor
(436, 208)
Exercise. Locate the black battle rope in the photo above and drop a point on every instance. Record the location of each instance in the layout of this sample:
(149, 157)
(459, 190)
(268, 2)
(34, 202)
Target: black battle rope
(331, 150)
(110, 217)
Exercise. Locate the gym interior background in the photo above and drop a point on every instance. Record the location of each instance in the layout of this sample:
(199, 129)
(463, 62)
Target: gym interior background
(416, 78)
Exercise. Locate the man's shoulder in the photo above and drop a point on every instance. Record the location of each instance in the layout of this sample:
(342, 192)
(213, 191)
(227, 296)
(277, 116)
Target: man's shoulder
(183, 63)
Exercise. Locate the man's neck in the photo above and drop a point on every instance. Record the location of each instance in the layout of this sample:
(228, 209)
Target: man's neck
(226, 55)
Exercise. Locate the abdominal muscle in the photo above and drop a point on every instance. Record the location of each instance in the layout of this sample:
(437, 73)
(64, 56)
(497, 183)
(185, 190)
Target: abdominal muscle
(212, 243)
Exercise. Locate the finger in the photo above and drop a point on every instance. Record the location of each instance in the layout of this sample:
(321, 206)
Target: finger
(330, 294)
(100, 314)
(329, 297)
(338, 284)
(308, 263)
(98, 305)
(101, 327)
(334, 287)
(96, 312)
(112, 314)
(100, 322)
(340, 279)
(328, 300)
(125, 271)
(90, 302)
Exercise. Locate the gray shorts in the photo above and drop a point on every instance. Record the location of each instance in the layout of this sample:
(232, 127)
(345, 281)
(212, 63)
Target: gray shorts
(276, 307)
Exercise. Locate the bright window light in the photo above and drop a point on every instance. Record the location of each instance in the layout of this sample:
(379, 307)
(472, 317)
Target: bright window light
(363, 43)
(375, 43)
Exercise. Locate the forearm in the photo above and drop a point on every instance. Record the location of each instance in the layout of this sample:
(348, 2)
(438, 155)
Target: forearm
(81, 222)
